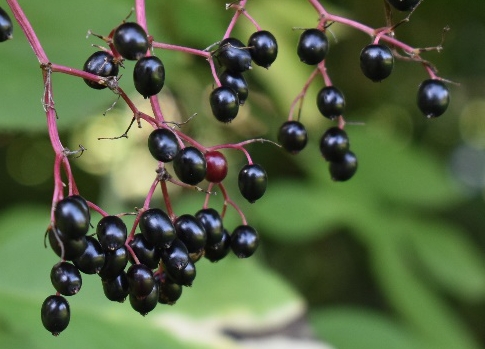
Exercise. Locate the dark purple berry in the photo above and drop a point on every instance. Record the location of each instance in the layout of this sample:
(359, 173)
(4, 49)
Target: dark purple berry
(146, 253)
(149, 76)
(330, 102)
(312, 46)
(100, 63)
(263, 48)
(433, 98)
(175, 257)
(146, 304)
(244, 241)
(55, 314)
(252, 182)
(71, 218)
(130, 40)
(111, 232)
(114, 264)
(6, 27)
(140, 280)
(157, 228)
(334, 144)
(403, 5)
(190, 166)
(216, 252)
(168, 291)
(376, 62)
(184, 276)
(191, 232)
(163, 144)
(116, 289)
(345, 168)
(72, 248)
(292, 136)
(92, 259)
(211, 221)
(66, 278)
(233, 56)
(237, 83)
(216, 166)
(224, 103)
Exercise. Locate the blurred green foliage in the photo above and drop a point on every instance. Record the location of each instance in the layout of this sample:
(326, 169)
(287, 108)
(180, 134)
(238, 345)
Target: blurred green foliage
(392, 259)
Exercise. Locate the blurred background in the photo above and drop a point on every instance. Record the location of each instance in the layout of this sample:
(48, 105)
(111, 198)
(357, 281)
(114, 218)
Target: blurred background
(394, 258)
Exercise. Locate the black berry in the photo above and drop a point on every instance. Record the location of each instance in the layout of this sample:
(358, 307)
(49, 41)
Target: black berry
(140, 280)
(55, 314)
(216, 252)
(211, 221)
(403, 5)
(92, 259)
(163, 144)
(111, 232)
(244, 241)
(216, 166)
(72, 248)
(312, 46)
(224, 103)
(252, 182)
(190, 166)
(116, 289)
(130, 40)
(146, 253)
(71, 217)
(376, 62)
(66, 278)
(176, 256)
(144, 305)
(344, 169)
(168, 291)
(191, 232)
(334, 144)
(330, 102)
(149, 76)
(185, 276)
(6, 27)
(292, 136)
(100, 63)
(156, 227)
(114, 264)
(263, 48)
(433, 98)
(237, 83)
(233, 56)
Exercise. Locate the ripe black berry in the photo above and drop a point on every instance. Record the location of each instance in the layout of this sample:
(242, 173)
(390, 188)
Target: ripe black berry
(140, 280)
(191, 232)
(116, 289)
(344, 169)
(252, 182)
(263, 48)
(190, 166)
(55, 314)
(156, 227)
(244, 241)
(403, 5)
(100, 63)
(376, 62)
(330, 102)
(130, 40)
(237, 83)
(149, 76)
(312, 46)
(111, 232)
(292, 136)
(71, 217)
(163, 144)
(233, 56)
(216, 166)
(211, 221)
(114, 264)
(6, 27)
(334, 144)
(73, 248)
(66, 278)
(92, 259)
(224, 103)
(168, 291)
(184, 276)
(146, 253)
(176, 256)
(146, 304)
(433, 98)
(219, 250)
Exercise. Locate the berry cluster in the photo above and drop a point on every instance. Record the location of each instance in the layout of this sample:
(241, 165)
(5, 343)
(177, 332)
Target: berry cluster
(376, 63)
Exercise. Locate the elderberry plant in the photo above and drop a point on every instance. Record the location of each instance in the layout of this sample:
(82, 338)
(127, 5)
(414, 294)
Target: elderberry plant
(152, 260)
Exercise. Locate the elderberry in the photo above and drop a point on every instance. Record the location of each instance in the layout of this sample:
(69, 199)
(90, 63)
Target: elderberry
(111, 232)
(217, 251)
(312, 46)
(263, 48)
(330, 102)
(244, 241)
(146, 304)
(176, 256)
(211, 221)
(100, 63)
(140, 280)
(237, 83)
(92, 259)
(163, 144)
(334, 144)
(433, 98)
(116, 289)
(233, 56)
(345, 168)
(72, 248)
(149, 76)
(376, 62)
(252, 182)
(216, 166)
(114, 264)
(185, 276)
(191, 232)
(55, 314)
(130, 40)
(293, 136)
(168, 291)
(6, 27)
(146, 253)
(224, 103)
(71, 217)
(190, 166)
(157, 228)
(66, 278)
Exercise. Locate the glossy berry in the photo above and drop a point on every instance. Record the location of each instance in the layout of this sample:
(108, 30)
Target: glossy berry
(292, 136)
(140, 280)
(111, 232)
(130, 40)
(211, 221)
(6, 27)
(334, 144)
(149, 76)
(100, 63)
(376, 62)
(191, 232)
(244, 241)
(55, 314)
(116, 289)
(433, 98)
(344, 169)
(146, 304)
(157, 228)
(71, 217)
(216, 252)
(312, 46)
(66, 278)
(224, 103)
(168, 291)
(145, 252)
(190, 166)
(185, 276)
(114, 264)
(237, 83)
(263, 48)
(252, 182)
(233, 55)
(330, 102)
(216, 166)
(72, 248)
(403, 5)
(163, 144)
(92, 259)
(175, 257)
